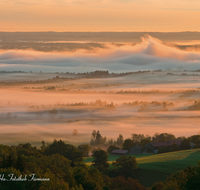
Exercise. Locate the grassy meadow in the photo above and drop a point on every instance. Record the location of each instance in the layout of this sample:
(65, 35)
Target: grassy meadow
(156, 167)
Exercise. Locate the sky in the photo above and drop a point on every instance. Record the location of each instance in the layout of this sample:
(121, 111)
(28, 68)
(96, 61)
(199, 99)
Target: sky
(100, 15)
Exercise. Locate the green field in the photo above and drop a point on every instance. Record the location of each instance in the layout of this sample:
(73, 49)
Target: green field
(156, 167)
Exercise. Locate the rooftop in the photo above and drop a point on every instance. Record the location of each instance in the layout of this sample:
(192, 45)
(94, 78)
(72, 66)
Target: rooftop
(166, 143)
(116, 151)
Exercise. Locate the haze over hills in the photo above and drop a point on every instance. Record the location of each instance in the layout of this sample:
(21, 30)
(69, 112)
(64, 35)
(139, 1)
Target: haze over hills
(143, 85)
(150, 54)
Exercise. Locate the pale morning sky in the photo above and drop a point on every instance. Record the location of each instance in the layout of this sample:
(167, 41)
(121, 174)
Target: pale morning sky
(100, 15)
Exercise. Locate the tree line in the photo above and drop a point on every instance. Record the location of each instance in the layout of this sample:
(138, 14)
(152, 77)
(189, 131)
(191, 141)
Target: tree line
(63, 164)
(97, 140)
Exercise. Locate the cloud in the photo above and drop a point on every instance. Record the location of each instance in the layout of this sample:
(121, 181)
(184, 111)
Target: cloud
(150, 54)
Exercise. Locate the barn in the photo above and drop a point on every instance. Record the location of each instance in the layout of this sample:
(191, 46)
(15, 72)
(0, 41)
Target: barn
(136, 149)
(154, 146)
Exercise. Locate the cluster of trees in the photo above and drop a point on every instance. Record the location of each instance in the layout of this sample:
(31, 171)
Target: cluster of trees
(160, 137)
(98, 140)
(72, 87)
(144, 91)
(153, 103)
(98, 103)
(136, 139)
(146, 107)
(193, 107)
(63, 164)
(188, 179)
(50, 162)
(8, 115)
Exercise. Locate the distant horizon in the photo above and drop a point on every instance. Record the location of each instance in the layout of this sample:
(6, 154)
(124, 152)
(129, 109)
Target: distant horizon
(107, 31)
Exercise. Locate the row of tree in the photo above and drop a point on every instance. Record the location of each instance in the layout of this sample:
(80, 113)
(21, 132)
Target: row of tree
(98, 140)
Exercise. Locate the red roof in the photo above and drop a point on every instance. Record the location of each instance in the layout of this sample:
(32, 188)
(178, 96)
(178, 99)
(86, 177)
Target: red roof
(166, 143)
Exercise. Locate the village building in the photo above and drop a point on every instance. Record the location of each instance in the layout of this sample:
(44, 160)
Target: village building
(119, 152)
(136, 149)
(154, 146)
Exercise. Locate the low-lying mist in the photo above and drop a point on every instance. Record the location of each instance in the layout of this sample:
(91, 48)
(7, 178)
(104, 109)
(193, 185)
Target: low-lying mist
(144, 88)
(150, 54)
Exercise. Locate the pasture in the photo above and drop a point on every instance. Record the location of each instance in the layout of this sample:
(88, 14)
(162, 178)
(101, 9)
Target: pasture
(156, 167)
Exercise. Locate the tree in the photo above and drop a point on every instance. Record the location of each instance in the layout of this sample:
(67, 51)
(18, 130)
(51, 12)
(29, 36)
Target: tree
(100, 160)
(164, 149)
(10, 161)
(3, 162)
(120, 140)
(97, 139)
(181, 138)
(67, 150)
(163, 137)
(126, 165)
(20, 165)
(137, 138)
(185, 144)
(194, 139)
(111, 148)
(188, 179)
(43, 147)
(55, 167)
(128, 143)
(121, 183)
(144, 142)
(89, 178)
(175, 147)
(85, 149)
(94, 134)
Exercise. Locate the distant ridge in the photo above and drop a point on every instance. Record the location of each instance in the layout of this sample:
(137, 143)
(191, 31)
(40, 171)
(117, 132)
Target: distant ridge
(97, 36)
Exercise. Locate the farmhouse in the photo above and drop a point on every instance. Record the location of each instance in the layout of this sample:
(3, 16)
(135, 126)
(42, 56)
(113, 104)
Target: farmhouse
(136, 149)
(119, 152)
(153, 146)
